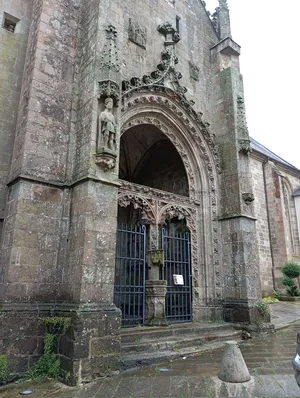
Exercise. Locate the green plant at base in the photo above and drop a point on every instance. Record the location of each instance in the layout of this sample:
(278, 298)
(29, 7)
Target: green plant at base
(287, 281)
(4, 372)
(293, 291)
(263, 307)
(56, 322)
(290, 269)
(270, 299)
(291, 287)
(48, 365)
(278, 293)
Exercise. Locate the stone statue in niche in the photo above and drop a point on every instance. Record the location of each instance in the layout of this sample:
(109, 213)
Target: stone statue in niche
(107, 128)
(137, 34)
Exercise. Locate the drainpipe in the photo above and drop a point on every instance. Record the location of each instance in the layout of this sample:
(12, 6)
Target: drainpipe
(269, 224)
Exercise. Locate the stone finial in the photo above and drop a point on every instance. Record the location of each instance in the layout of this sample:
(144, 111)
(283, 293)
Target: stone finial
(108, 70)
(223, 4)
(109, 56)
(224, 20)
(233, 368)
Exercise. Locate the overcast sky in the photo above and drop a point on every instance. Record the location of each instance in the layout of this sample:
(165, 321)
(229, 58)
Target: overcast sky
(268, 32)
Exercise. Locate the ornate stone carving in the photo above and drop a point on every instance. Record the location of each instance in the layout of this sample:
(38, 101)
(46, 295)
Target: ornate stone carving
(158, 206)
(139, 202)
(194, 71)
(169, 32)
(248, 197)
(164, 75)
(107, 88)
(242, 127)
(245, 146)
(109, 67)
(137, 34)
(107, 127)
(167, 131)
(106, 138)
(165, 79)
(157, 194)
(109, 79)
(161, 89)
(173, 211)
(183, 110)
(105, 161)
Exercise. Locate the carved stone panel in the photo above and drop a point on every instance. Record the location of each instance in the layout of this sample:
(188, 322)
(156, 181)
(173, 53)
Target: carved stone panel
(137, 34)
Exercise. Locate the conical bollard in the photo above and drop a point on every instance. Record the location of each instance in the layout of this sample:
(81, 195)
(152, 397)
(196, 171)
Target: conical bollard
(233, 368)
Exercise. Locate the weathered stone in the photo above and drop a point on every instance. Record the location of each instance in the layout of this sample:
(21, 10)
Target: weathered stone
(100, 126)
(156, 303)
(233, 368)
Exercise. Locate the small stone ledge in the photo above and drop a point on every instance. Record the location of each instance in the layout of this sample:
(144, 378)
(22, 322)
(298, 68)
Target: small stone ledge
(226, 46)
(241, 215)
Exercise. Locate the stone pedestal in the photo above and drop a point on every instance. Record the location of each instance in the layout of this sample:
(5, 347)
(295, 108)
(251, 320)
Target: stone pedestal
(155, 303)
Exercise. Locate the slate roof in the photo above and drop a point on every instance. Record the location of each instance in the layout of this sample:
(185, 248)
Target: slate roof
(255, 145)
(296, 192)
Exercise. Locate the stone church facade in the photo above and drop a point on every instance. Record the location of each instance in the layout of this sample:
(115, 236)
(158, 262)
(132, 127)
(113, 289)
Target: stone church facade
(130, 191)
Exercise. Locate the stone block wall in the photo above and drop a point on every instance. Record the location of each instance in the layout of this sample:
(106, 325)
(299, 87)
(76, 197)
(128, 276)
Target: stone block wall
(33, 224)
(42, 141)
(262, 226)
(92, 242)
(84, 100)
(277, 231)
(13, 47)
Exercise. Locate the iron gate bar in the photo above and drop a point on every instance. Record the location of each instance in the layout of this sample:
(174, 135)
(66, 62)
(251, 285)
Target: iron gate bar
(129, 288)
(177, 261)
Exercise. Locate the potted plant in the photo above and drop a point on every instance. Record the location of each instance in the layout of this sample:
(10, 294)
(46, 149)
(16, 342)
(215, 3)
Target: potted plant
(291, 271)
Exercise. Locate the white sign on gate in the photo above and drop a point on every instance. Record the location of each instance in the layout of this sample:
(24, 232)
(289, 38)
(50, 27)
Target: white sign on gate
(178, 279)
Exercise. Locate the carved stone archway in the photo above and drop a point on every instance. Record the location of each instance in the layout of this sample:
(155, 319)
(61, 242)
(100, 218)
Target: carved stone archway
(176, 119)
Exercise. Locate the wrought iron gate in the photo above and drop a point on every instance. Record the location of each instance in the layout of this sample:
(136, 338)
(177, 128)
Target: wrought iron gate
(129, 292)
(177, 262)
(130, 269)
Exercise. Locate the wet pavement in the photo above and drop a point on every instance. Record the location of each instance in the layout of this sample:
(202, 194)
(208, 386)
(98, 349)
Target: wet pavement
(268, 358)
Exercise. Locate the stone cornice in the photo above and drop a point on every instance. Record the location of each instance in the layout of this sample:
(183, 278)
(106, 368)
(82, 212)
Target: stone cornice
(58, 185)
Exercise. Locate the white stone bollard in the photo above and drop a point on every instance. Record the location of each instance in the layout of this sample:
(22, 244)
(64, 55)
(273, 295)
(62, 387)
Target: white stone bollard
(233, 368)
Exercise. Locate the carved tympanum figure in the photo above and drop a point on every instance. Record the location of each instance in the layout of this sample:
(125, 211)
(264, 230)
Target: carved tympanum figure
(107, 126)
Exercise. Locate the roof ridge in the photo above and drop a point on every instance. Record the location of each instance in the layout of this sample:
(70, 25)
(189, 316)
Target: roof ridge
(267, 152)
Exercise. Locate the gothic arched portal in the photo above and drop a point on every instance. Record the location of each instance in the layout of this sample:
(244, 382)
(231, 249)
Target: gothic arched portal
(168, 175)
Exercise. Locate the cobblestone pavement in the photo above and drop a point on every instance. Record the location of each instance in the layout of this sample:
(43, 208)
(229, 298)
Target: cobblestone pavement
(268, 359)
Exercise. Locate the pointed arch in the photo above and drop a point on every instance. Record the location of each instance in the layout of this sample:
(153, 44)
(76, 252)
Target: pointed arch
(175, 117)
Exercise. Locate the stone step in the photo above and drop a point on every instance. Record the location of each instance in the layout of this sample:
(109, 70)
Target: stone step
(155, 346)
(139, 359)
(131, 335)
(176, 342)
